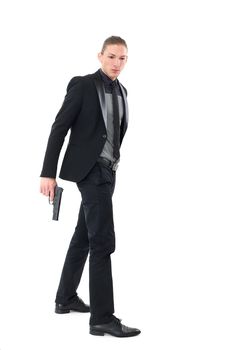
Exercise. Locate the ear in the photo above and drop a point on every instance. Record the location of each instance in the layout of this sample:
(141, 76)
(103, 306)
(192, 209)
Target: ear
(100, 57)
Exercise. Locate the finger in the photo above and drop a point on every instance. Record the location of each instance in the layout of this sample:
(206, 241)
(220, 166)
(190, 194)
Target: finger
(51, 194)
(45, 191)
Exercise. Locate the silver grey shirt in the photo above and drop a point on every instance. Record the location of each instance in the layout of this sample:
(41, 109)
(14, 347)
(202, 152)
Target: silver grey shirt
(107, 151)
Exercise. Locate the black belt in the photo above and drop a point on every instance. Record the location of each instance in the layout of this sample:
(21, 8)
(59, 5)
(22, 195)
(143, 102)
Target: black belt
(108, 163)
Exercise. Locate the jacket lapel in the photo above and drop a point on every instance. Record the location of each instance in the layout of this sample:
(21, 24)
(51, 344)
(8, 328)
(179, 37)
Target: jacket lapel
(126, 111)
(101, 94)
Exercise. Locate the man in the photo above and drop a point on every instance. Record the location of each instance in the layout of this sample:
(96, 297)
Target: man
(95, 110)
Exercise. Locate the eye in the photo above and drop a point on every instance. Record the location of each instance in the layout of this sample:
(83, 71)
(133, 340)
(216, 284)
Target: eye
(111, 57)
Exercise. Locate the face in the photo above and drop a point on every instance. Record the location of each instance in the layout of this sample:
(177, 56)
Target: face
(113, 60)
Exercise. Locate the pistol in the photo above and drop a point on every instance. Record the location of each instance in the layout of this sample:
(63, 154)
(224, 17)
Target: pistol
(56, 202)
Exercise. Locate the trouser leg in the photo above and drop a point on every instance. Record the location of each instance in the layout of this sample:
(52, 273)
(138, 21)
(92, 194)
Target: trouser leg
(74, 262)
(96, 191)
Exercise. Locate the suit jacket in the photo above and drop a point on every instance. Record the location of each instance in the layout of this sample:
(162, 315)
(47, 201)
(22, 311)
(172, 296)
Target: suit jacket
(84, 112)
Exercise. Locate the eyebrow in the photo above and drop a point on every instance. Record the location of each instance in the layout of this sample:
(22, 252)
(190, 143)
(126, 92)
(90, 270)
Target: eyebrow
(112, 54)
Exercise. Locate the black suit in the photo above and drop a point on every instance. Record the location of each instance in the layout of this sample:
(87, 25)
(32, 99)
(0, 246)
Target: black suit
(84, 111)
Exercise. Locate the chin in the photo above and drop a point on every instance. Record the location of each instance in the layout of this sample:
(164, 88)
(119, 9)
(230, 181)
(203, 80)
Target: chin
(114, 76)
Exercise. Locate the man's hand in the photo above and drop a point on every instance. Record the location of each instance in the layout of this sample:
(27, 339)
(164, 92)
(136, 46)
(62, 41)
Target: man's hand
(47, 186)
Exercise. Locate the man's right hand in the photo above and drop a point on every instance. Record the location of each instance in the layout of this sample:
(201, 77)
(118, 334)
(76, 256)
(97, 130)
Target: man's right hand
(47, 186)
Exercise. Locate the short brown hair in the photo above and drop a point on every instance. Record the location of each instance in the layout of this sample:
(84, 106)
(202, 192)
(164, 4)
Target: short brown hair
(113, 40)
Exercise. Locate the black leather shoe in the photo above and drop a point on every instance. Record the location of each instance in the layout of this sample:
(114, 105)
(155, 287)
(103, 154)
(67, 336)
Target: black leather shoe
(77, 305)
(115, 328)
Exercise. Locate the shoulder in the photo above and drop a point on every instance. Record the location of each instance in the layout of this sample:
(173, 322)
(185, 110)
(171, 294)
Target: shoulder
(78, 81)
(74, 82)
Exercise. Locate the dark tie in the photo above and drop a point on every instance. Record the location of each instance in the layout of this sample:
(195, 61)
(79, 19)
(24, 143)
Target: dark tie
(116, 122)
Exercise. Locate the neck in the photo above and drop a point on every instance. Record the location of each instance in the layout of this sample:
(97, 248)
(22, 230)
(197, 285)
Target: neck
(107, 75)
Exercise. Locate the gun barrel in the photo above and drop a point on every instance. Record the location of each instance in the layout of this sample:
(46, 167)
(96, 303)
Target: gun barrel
(57, 202)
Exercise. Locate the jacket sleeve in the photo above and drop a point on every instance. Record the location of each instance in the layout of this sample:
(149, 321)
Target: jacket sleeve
(66, 116)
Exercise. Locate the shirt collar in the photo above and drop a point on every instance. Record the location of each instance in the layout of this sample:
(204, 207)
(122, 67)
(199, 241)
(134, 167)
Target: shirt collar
(106, 79)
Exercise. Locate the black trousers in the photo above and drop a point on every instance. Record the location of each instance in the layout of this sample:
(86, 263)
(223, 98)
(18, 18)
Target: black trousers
(93, 234)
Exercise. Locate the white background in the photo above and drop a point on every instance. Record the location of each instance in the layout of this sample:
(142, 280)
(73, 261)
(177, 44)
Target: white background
(173, 201)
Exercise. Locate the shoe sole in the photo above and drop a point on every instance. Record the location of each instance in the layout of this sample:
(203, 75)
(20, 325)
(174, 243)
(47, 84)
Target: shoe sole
(62, 311)
(99, 333)
(66, 311)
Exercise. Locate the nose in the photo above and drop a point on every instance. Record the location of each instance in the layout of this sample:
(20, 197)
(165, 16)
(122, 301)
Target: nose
(117, 62)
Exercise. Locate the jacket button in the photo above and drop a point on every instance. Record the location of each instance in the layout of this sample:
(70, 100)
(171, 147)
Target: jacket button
(104, 136)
